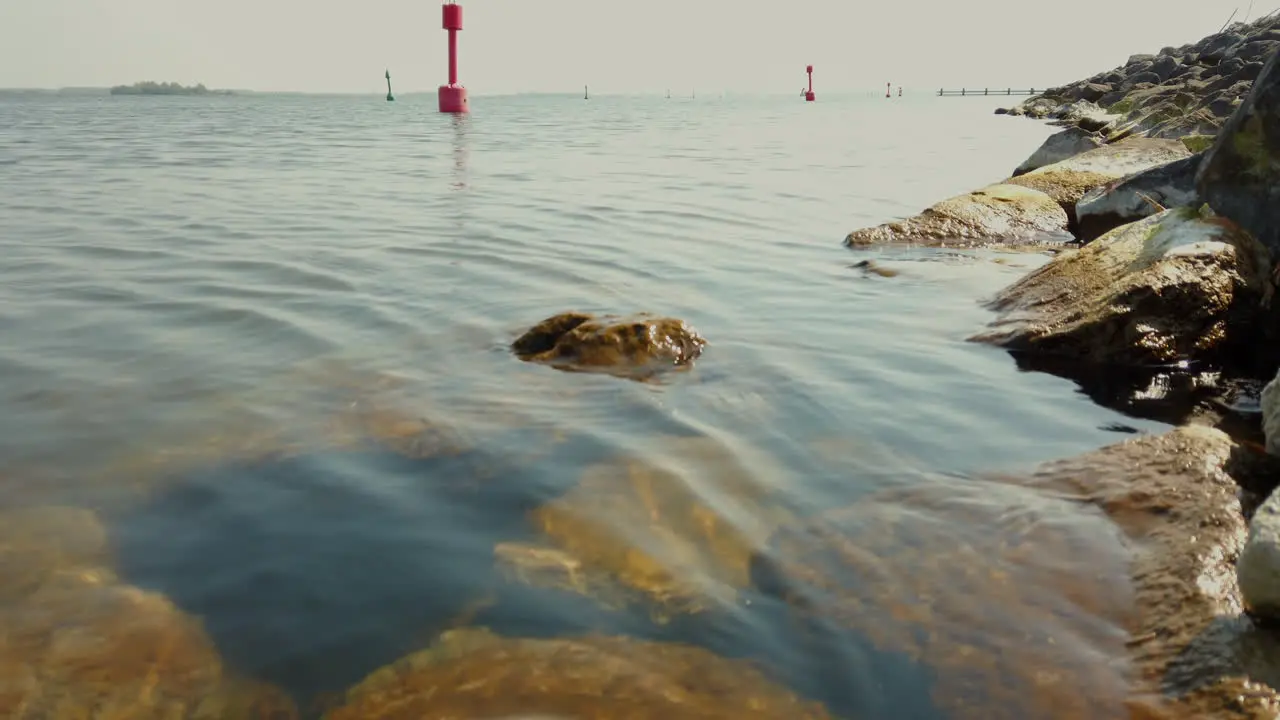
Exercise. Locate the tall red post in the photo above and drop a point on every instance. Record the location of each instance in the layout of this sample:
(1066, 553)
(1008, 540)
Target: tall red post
(888, 87)
(453, 97)
(809, 96)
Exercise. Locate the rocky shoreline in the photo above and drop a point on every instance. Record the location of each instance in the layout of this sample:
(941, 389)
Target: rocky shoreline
(1166, 178)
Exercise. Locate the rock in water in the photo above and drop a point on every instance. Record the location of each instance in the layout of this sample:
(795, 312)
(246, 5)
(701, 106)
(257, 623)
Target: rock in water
(637, 346)
(995, 214)
(77, 642)
(1179, 285)
(1240, 175)
(1059, 146)
(678, 531)
(1068, 181)
(1108, 207)
(472, 673)
(985, 585)
(1176, 497)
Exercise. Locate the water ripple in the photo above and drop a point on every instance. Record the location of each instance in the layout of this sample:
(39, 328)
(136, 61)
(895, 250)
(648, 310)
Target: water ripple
(171, 267)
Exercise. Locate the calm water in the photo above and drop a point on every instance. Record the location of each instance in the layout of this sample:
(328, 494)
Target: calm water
(180, 274)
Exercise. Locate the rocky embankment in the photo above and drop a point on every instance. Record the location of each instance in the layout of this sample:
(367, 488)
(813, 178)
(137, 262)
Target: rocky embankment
(1183, 91)
(1167, 177)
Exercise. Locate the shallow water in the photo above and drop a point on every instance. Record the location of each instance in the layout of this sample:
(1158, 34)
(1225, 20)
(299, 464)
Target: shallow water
(186, 277)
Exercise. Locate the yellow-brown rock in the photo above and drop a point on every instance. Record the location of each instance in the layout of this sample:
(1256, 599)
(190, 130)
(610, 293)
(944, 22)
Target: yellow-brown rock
(78, 644)
(1100, 586)
(997, 214)
(473, 674)
(1016, 603)
(637, 346)
(679, 531)
(1176, 497)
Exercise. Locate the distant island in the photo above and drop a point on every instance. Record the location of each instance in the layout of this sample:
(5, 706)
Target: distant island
(168, 88)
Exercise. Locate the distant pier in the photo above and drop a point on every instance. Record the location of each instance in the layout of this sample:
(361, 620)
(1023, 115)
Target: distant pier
(965, 92)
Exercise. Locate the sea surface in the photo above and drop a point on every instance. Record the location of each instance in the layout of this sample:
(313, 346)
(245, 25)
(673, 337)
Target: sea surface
(197, 293)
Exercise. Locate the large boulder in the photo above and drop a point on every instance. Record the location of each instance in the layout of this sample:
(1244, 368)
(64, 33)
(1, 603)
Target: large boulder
(1003, 213)
(1105, 208)
(1240, 175)
(1058, 147)
(1068, 180)
(1182, 285)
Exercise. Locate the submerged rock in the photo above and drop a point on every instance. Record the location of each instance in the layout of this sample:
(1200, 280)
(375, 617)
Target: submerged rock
(678, 532)
(1108, 207)
(1014, 601)
(636, 346)
(1181, 285)
(997, 214)
(1240, 175)
(471, 673)
(79, 643)
(1057, 147)
(1067, 181)
(1176, 498)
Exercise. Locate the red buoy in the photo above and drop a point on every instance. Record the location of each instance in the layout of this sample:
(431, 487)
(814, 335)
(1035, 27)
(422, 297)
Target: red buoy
(809, 96)
(888, 87)
(453, 97)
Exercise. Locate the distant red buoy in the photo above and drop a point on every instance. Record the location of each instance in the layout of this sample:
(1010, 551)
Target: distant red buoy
(888, 88)
(809, 96)
(453, 97)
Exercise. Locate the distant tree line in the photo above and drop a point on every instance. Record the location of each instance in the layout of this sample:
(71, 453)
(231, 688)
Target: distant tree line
(164, 88)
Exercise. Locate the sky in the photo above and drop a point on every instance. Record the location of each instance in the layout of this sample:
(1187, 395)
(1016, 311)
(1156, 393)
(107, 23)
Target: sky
(614, 46)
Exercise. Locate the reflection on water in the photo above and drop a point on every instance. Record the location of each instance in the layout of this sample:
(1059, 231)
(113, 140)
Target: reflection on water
(461, 151)
(265, 340)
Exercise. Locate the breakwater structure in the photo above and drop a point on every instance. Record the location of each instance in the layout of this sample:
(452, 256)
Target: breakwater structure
(974, 92)
(453, 97)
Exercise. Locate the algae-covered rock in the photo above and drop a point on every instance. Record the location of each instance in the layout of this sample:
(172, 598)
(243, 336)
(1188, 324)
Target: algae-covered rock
(997, 214)
(471, 674)
(1068, 180)
(637, 346)
(1240, 175)
(1014, 601)
(1106, 208)
(679, 531)
(1181, 285)
(76, 642)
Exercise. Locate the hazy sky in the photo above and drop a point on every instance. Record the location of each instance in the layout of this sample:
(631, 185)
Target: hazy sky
(613, 45)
